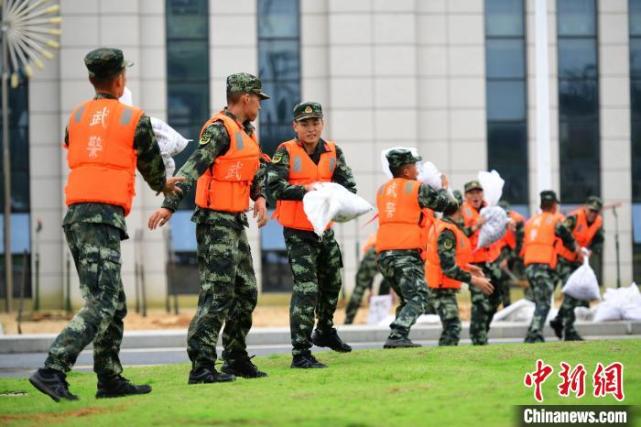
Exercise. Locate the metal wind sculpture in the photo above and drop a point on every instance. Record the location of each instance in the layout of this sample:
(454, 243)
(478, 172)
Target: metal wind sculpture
(29, 29)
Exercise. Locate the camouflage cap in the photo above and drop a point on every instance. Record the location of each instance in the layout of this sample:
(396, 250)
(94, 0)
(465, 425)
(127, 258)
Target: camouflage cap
(595, 203)
(307, 110)
(401, 156)
(549, 196)
(473, 185)
(245, 83)
(105, 62)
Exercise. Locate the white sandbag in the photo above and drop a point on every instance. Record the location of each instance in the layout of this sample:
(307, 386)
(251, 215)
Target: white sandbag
(385, 163)
(169, 140)
(430, 175)
(584, 313)
(379, 308)
(521, 311)
(492, 184)
(495, 226)
(332, 202)
(583, 284)
(620, 304)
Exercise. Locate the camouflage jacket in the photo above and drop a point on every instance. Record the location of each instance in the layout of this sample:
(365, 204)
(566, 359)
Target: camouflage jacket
(150, 166)
(446, 248)
(596, 245)
(214, 142)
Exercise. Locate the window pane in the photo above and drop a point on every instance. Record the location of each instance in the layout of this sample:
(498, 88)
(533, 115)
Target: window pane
(577, 58)
(188, 103)
(278, 18)
(635, 97)
(276, 114)
(188, 60)
(576, 17)
(580, 160)
(507, 153)
(279, 59)
(504, 17)
(636, 160)
(505, 58)
(635, 57)
(578, 99)
(505, 100)
(635, 17)
(187, 19)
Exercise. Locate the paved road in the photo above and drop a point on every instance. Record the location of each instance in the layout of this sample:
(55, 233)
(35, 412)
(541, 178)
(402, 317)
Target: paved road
(21, 365)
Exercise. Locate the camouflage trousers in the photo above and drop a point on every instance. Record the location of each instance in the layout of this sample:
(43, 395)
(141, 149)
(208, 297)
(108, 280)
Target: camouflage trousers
(444, 301)
(405, 272)
(484, 306)
(228, 294)
(566, 312)
(542, 280)
(316, 268)
(367, 270)
(95, 249)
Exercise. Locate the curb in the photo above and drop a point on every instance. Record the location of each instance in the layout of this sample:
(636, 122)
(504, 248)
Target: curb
(39, 343)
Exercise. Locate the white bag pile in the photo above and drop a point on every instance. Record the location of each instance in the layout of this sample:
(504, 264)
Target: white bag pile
(379, 308)
(171, 143)
(583, 284)
(521, 311)
(496, 218)
(620, 304)
(332, 202)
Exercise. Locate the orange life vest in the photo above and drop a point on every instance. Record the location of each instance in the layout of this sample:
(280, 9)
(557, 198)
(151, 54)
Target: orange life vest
(101, 153)
(540, 241)
(303, 171)
(226, 185)
(400, 217)
(486, 254)
(583, 233)
(433, 271)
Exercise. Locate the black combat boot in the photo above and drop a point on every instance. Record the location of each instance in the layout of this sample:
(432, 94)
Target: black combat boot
(330, 339)
(557, 326)
(119, 386)
(207, 376)
(52, 383)
(243, 367)
(399, 343)
(306, 361)
(573, 336)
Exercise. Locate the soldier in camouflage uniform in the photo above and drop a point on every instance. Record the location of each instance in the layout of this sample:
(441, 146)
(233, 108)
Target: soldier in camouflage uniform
(483, 306)
(94, 229)
(404, 267)
(227, 280)
(367, 271)
(510, 259)
(563, 324)
(541, 273)
(444, 297)
(315, 261)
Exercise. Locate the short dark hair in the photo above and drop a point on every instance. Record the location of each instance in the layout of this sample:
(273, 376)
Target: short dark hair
(103, 82)
(546, 205)
(234, 97)
(397, 171)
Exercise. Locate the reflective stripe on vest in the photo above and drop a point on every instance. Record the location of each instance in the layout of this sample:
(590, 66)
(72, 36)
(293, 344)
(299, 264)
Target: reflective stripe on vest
(400, 217)
(101, 153)
(226, 185)
(433, 271)
(488, 254)
(303, 171)
(583, 233)
(539, 242)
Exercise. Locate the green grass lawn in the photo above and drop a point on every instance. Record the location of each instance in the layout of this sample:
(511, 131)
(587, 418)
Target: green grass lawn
(460, 386)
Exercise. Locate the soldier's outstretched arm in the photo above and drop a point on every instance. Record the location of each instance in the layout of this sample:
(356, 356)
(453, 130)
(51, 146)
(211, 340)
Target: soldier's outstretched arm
(343, 173)
(214, 142)
(565, 234)
(596, 245)
(437, 200)
(277, 178)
